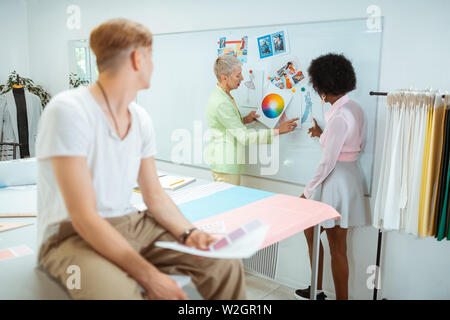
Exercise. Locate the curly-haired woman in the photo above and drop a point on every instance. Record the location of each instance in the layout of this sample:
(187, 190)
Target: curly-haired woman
(332, 77)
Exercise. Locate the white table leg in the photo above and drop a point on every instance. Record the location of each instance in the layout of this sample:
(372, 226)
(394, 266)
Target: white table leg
(315, 262)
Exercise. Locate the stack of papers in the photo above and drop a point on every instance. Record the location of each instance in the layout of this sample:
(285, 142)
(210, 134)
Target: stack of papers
(10, 226)
(241, 243)
(161, 174)
(167, 182)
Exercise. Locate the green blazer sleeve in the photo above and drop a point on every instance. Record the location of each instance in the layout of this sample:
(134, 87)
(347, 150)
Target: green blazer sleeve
(231, 121)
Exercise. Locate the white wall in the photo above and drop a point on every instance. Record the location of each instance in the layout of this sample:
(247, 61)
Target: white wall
(415, 53)
(14, 38)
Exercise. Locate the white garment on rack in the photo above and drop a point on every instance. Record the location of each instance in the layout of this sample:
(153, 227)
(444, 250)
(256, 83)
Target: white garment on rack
(391, 219)
(8, 119)
(420, 112)
(410, 140)
(379, 209)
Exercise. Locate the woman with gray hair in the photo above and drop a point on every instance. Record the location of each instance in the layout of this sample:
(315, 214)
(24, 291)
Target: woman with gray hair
(227, 126)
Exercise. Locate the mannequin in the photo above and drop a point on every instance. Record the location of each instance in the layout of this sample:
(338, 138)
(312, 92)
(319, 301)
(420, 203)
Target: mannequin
(20, 111)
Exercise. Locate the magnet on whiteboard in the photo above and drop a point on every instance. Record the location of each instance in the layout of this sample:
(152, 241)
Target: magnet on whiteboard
(287, 163)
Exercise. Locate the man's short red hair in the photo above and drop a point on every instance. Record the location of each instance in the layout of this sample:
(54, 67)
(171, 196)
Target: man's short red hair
(114, 38)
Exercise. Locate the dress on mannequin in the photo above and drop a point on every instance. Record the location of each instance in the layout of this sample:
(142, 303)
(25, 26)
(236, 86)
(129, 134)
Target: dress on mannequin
(22, 121)
(13, 120)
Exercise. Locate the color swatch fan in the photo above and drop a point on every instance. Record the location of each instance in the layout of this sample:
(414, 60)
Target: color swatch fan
(272, 107)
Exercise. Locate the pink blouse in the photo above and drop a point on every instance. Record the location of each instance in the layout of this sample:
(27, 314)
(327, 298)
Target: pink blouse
(342, 139)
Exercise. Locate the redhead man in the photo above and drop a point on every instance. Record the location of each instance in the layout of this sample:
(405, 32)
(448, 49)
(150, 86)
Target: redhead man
(94, 143)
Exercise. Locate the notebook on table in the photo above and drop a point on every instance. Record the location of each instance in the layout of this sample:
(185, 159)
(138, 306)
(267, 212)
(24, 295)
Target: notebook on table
(171, 182)
(175, 182)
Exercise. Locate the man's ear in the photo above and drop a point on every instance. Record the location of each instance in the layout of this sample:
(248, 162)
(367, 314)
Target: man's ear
(136, 59)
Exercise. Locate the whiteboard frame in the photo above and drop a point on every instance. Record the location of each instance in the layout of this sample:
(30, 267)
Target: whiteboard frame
(369, 185)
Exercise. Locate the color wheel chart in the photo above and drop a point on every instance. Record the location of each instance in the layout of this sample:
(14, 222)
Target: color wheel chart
(272, 105)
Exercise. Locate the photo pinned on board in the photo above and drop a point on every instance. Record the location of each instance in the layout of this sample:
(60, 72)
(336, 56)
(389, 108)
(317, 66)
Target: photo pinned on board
(237, 48)
(288, 76)
(265, 47)
(279, 42)
(273, 44)
(244, 45)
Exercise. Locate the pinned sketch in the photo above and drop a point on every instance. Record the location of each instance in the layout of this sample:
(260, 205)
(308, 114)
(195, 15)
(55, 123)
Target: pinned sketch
(250, 91)
(237, 48)
(288, 75)
(250, 83)
(310, 107)
(307, 112)
(272, 107)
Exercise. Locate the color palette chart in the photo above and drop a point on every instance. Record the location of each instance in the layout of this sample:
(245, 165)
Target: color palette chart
(241, 243)
(236, 234)
(272, 105)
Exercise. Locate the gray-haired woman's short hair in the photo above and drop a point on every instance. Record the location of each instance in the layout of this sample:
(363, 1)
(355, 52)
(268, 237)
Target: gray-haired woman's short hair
(225, 64)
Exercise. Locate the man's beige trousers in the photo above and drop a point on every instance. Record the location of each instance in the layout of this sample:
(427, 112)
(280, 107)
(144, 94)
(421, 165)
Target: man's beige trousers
(102, 279)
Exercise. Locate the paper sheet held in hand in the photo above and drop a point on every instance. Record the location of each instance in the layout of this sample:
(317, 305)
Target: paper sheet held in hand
(241, 243)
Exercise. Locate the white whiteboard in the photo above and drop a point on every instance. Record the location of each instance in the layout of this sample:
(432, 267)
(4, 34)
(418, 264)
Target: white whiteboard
(183, 80)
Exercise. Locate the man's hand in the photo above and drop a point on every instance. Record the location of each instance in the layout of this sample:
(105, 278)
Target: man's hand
(252, 116)
(163, 287)
(200, 240)
(315, 131)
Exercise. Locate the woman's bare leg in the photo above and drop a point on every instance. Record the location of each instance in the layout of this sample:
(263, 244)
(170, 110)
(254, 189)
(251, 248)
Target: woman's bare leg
(337, 239)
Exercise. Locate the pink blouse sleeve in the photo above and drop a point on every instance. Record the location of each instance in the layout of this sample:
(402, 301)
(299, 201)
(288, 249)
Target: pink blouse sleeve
(337, 131)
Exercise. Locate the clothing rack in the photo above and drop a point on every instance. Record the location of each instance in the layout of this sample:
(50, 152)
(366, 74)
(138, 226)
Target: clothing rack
(380, 233)
(376, 93)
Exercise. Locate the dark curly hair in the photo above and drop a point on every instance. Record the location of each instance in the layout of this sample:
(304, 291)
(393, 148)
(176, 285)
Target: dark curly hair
(332, 74)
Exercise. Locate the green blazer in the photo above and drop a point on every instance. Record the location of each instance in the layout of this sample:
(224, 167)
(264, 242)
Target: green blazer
(225, 152)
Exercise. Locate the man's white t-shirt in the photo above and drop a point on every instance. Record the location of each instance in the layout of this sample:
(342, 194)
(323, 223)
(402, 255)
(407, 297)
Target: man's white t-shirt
(74, 125)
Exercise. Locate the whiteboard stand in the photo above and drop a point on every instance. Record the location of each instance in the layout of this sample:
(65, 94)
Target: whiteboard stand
(315, 262)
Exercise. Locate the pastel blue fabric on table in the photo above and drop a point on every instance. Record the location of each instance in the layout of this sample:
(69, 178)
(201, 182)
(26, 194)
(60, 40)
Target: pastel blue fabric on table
(220, 202)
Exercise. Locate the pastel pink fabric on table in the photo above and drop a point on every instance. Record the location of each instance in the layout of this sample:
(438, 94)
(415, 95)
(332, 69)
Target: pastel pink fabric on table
(6, 254)
(286, 215)
(342, 140)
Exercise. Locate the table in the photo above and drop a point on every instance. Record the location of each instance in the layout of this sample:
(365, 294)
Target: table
(21, 279)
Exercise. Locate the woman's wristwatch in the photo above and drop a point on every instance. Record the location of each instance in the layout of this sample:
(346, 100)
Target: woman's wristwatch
(183, 237)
